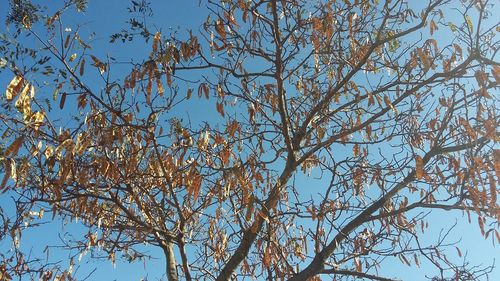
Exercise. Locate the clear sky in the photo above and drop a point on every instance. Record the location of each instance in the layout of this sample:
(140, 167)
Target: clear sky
(105, 17)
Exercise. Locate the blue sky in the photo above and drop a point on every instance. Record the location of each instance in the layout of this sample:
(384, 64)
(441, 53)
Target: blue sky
(107, 17)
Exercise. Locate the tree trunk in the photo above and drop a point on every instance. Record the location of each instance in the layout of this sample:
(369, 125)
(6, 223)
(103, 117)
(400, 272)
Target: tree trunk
(171, 268)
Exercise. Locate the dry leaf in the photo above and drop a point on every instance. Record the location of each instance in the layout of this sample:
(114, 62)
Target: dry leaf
(419, 167)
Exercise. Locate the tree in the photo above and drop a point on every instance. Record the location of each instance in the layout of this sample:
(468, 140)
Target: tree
(340, 127)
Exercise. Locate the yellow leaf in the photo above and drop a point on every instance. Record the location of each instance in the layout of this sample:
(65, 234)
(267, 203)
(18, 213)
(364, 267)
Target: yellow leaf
(469, 23)
(24, 93)
(14, 87)
(72, 57)
(37, 119)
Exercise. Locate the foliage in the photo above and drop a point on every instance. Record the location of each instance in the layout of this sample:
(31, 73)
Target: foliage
(332, 132)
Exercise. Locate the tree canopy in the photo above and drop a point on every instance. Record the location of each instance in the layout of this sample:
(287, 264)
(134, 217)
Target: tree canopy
(280, 140)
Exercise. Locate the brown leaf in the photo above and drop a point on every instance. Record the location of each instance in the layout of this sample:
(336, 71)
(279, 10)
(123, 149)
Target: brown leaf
(458, 49)
(149, 89)
(196, 184)
(419, 167)
(468, 128)
(132, 80)
(424, 58)
(63, 100)
(481, 224)
(481, 77)
(496, 73)
(82, 67)
(434, 44)
(14, 147)
(220, 108)
(433, 26)
(219, 27)
(155, 41)
(159, 86)
(250, 208)
(200, 90)
(66, 42)
(205, 90)
(357, 263)
(266, 260)
(388, 103)
(10, 171)
(404, 260)
(251, 113)
(99, 64)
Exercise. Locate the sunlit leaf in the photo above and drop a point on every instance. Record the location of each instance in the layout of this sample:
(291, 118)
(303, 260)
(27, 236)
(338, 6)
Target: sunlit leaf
(14, 87)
